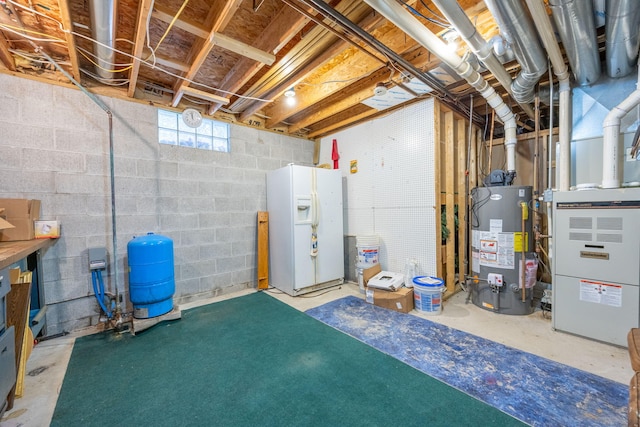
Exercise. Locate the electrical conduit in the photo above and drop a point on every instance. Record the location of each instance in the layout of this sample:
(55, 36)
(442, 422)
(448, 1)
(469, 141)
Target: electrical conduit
(406, 22)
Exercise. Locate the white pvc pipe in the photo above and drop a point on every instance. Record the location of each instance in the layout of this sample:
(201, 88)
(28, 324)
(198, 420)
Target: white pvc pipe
(410, 25)
(612, 144)
(560, 69)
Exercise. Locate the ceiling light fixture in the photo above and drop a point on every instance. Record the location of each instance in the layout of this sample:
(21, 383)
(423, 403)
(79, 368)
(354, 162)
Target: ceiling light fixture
(380, 89)
(290, 93)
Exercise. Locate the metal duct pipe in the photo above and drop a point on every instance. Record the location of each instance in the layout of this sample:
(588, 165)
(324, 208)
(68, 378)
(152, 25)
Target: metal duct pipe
(613, 145)
(517, 27)
(103, 29)
(479, 46)
(410, 25)
(575, 23)
(545, 30)
(622, 21)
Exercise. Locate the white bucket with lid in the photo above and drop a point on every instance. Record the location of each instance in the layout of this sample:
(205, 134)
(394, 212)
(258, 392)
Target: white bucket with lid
(427, 294)
(368, 251)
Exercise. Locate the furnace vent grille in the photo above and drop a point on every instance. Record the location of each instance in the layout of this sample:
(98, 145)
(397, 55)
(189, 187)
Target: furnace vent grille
(580, 222)
(584, 237)
(607, 223)
(609, 238)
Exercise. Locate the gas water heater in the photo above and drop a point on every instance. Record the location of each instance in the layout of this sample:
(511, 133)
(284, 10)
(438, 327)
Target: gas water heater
(503, 263)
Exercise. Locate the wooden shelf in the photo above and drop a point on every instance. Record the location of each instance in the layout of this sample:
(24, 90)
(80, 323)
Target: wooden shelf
(11, 252)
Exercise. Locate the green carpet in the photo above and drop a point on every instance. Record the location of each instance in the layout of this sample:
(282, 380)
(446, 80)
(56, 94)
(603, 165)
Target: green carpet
(253, 361)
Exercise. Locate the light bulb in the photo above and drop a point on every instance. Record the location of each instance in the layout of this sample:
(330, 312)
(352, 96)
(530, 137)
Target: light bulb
(290, 93)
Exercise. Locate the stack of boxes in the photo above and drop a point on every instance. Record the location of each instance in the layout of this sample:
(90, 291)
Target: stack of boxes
(400, 300)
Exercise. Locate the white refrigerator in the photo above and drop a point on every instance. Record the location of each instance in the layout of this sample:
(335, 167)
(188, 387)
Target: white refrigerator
(305, 229)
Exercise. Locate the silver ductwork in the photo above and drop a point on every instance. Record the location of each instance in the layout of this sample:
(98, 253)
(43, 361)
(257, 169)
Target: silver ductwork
(402, 19)
(622, 22)
(563, 164)
(479, 46)
(103, 29)
(518, 29)
(576, 25)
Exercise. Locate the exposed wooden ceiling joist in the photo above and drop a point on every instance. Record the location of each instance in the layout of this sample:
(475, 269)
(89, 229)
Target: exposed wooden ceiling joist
(219, 16)
(67, 26)
(144, 9)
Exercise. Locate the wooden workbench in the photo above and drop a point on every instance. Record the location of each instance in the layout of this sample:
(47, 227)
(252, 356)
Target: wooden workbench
(11, 252)
(19, 297)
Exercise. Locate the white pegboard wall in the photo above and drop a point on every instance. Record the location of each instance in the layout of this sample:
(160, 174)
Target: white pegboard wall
(392, 194)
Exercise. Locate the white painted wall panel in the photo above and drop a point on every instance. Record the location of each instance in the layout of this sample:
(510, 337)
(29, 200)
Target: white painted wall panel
(392, 194)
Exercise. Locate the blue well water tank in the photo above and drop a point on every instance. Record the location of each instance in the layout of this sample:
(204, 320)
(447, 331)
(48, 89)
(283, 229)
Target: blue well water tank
(151, 278)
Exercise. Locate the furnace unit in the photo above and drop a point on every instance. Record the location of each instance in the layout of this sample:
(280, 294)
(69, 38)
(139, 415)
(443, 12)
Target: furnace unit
(597, 269)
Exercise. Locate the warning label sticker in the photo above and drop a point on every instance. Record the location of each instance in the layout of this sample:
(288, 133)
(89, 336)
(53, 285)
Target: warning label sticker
(496, 249)
(601, 293)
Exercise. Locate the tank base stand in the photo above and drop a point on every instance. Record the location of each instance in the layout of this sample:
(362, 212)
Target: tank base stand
(140, 325)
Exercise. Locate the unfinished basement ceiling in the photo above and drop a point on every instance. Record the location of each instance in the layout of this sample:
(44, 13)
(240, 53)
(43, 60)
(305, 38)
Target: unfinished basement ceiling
(235, 59)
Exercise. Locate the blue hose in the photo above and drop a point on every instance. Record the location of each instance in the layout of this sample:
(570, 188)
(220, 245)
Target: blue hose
(98, 290)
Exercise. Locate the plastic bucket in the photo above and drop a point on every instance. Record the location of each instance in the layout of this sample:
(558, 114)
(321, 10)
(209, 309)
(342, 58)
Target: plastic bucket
(368, 251)
(427, 294)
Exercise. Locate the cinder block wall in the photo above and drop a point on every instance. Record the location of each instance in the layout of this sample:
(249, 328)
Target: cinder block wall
(54, 146)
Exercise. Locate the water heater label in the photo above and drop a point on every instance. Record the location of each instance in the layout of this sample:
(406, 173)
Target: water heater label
(496, 249)
(601, 293)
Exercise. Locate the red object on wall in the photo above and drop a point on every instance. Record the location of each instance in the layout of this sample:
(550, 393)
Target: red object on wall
(334, 154)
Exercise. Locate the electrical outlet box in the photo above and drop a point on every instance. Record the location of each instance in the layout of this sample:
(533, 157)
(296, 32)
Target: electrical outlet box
(495, 279)
(97, 258)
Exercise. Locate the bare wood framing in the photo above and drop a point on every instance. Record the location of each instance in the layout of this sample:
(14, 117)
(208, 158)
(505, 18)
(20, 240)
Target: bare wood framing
(67, 26)
(437, 137)
(141, 24)
(449, 165)
(263, 250)
(5, 56)
(220, 14)
(462, 199)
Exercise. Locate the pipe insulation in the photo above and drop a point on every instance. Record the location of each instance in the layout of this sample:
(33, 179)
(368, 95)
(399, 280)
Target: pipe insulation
(479, 46)
(622, 37)
(560, 69)
(517, 28)
(103, 29)
(613, 144)
(576, 25)
(412, 27)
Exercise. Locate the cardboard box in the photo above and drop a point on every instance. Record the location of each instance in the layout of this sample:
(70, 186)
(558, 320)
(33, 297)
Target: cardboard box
(368, 273)
(46, 229)
(400, 300)
(21, 213)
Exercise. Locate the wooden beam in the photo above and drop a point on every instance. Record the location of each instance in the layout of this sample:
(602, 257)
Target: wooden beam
(351, 95)
(292, 68)
(461, 199)
(167, 61)
(437, 182)
(449, 179)
(67, 27)
(205, 95)
(164, 14)
(219, 15)
(342, 123)
(263, 250)
(5, 56)
(344, 62)
(144, 9)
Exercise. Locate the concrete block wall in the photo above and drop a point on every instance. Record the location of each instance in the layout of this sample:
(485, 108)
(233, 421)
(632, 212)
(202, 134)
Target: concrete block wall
(54, 146)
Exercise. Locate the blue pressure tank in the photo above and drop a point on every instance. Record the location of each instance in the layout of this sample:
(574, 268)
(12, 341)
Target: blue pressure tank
(151, 278)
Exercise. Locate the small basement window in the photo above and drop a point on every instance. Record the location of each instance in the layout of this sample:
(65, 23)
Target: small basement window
(210, 135)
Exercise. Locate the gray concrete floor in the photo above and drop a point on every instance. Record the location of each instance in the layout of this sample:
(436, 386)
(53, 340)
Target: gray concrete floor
(48, 362)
